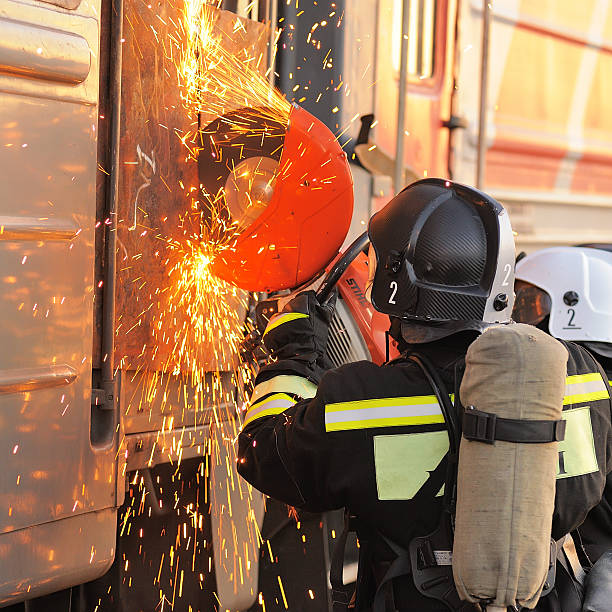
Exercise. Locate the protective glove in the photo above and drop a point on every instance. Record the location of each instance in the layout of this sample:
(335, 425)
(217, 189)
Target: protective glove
(300, 331)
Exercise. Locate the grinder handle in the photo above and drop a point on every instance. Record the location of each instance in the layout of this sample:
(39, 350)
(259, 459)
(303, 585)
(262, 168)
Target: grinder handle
(339, 268)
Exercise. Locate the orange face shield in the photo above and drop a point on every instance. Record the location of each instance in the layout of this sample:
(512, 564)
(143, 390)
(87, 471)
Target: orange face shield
(287, 193)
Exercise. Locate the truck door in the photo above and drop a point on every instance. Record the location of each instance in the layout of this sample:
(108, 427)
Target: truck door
(57, 487)
(429, 84)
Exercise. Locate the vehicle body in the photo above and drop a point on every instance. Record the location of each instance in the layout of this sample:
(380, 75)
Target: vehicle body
(547, 133)
(69, 436)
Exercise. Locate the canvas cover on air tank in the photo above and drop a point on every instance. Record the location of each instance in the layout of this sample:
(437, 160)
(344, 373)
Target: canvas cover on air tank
(506, 490)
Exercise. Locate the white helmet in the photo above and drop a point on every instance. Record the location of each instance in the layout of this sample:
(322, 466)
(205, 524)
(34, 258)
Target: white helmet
(577, 293)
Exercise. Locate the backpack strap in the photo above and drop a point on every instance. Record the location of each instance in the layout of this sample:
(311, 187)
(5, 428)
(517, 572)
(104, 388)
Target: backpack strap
(452, 423)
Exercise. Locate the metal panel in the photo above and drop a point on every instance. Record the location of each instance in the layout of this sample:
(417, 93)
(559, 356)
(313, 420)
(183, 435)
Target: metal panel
(144, 450)
(46, 558)
(542, 220)
(53, 483)
(67, 4)
(548, 133)
(158, 179)
(156, 401)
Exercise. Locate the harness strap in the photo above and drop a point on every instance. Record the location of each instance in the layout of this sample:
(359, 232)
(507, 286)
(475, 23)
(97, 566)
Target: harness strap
(487, 427)
(569, 550)
(384, 599)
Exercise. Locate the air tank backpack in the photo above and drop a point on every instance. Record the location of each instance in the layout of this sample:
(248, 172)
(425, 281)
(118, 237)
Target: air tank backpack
(492, 546)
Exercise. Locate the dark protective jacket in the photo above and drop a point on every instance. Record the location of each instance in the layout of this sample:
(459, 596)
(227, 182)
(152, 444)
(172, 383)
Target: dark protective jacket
(372, 439)
(596, 531)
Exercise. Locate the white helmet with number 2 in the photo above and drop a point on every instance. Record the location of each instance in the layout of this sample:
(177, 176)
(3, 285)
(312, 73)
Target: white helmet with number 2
(578, 282)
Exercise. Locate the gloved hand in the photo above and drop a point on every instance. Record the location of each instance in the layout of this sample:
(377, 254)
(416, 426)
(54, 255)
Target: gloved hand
(300, 331)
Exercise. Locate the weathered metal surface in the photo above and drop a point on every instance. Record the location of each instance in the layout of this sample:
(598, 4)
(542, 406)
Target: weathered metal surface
(158, 188)
(43, 53)
(54, 486)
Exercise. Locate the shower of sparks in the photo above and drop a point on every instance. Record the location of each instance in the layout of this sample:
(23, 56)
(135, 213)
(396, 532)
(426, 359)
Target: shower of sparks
(215, 80)
(197, 322)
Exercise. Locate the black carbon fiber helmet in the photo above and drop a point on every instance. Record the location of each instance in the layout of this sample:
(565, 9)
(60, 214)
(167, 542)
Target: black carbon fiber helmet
(444, 252)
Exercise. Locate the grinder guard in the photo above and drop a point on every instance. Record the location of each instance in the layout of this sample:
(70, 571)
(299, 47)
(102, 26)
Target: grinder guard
(296, 216)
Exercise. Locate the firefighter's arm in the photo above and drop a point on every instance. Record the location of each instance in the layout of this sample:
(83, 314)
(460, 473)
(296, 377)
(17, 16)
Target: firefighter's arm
(282, 446)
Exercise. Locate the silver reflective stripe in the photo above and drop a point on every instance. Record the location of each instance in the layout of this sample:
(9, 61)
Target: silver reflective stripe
(297, 385)
(383, 412)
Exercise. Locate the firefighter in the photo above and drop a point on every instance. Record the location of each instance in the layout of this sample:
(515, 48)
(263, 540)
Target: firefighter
(442, 268)
(567, 292)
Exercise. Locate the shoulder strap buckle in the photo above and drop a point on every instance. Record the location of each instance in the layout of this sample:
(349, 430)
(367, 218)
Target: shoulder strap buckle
(559, 430)
(478, 425)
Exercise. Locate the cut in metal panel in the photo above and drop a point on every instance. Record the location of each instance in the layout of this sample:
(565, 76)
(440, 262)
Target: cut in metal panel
(43, 53)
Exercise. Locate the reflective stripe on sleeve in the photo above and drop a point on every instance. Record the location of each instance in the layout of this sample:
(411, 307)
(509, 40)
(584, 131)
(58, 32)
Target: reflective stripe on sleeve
(272, 405)
(584, 388)
(297, 385)
(286, 317)
(383, 412)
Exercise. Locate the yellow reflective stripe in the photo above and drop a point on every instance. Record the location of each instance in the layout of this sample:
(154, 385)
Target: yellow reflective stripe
(275, 404)
(287, 317)
(383, 412)
(584, 388)
(288, 384)
(384, 422)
